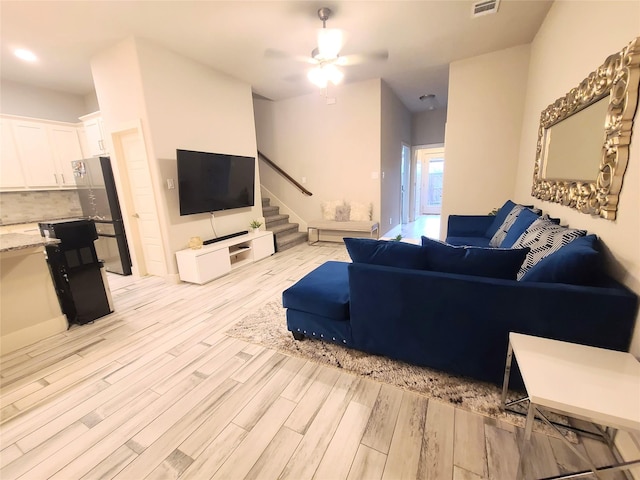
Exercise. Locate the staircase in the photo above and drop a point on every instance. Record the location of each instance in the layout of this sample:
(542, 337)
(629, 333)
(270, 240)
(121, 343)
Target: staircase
(286, 234)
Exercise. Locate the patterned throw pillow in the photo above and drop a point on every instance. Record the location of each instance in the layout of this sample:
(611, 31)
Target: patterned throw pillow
(503, 229)
(524, 221)
(329, 209)
(360, 212)
(342, 213)
(544, 237)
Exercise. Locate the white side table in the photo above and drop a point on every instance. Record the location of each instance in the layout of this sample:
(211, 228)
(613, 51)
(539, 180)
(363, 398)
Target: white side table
(593, 384)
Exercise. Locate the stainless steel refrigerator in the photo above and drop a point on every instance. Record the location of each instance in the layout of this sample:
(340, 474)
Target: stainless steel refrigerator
(99, 201)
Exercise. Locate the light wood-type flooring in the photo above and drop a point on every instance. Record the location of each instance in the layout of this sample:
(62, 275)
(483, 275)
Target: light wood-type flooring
(157, 391)
(427, 225)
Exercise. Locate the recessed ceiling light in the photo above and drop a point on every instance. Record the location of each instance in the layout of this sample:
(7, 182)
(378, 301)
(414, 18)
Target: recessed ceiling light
(24, 54)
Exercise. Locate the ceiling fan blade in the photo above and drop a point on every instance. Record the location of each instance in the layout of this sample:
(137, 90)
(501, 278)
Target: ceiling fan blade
(294, 78)
(358, 58)
(280, 55)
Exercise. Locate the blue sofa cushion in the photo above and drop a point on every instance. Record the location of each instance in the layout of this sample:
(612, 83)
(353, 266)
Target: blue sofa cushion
(323, 292)
(501, 215)
(468, 241)
(544, 237)
(387, 253)
(482, 262)
(468, 225)
(577, 263)
(525, 218)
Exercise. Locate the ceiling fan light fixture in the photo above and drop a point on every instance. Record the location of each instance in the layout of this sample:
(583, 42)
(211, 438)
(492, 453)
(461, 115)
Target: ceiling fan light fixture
(329, 43)
(430, 100)
(317, 77)
(323, 74)
(333, 73)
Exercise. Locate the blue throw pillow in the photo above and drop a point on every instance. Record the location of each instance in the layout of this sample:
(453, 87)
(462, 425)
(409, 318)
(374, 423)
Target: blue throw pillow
(501, 215)
(387, 253)
(477, 261)
(544, 237)
(525, 218)
(503, 229)
(577, 263)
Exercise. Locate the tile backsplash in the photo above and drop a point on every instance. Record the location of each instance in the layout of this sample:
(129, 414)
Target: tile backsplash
(29, 207)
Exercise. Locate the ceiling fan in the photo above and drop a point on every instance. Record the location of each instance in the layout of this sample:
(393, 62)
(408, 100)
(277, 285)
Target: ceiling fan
(326, 56)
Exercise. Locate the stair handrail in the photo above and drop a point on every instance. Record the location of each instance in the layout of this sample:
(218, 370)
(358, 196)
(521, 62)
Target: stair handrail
(284, 174)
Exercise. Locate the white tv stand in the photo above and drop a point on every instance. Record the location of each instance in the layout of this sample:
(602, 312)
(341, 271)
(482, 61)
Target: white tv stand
(219, 258)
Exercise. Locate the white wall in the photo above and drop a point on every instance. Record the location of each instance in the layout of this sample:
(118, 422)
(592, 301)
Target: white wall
(181, 104)
(336, 147)
(396, 129)
(35, 102)
(428, 127)
(484, 119)
(574, 40)
(192, 107)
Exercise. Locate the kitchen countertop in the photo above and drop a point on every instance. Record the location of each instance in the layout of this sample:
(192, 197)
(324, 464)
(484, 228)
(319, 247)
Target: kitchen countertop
(19, 241)
(35, 222)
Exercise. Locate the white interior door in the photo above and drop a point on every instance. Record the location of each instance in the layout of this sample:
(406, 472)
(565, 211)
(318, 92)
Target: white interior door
(405, 170)
(147, 236)
(417, 186)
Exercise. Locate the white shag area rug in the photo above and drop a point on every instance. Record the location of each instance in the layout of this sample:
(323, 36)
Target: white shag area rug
(267, 326)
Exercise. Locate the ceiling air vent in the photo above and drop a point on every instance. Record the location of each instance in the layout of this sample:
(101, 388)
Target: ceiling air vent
(485, 7)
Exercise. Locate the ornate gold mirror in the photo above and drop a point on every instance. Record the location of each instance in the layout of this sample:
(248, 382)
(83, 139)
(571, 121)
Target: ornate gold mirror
(583, 138)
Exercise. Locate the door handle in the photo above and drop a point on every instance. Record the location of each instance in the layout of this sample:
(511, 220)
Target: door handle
(135, 215)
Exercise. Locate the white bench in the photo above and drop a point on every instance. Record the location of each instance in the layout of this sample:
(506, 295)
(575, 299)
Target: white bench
(369, 227)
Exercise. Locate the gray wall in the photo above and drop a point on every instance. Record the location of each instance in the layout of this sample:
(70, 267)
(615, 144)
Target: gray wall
(428, 127)
(28, 101)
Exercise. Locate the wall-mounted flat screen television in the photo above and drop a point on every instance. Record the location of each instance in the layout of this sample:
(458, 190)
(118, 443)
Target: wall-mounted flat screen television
(210, 182)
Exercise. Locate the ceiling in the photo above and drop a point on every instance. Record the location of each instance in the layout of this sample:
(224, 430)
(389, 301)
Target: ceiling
(422, 38)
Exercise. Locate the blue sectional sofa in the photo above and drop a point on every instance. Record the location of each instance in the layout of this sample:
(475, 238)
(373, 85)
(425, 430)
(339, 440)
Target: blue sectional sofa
(403, 301)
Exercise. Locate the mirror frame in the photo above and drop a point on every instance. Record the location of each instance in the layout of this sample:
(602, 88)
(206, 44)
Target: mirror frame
(618, 77)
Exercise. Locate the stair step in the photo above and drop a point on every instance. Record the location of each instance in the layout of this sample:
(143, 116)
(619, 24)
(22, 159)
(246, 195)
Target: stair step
(290, 240)
(266, 201)
(275, 220)
(269, 211)
(284, 228)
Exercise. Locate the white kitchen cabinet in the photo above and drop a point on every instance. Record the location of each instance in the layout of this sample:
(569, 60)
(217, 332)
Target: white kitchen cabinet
(94, 133)
(66, 148)
(84, 146)
(11, 174)
(36, 154)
